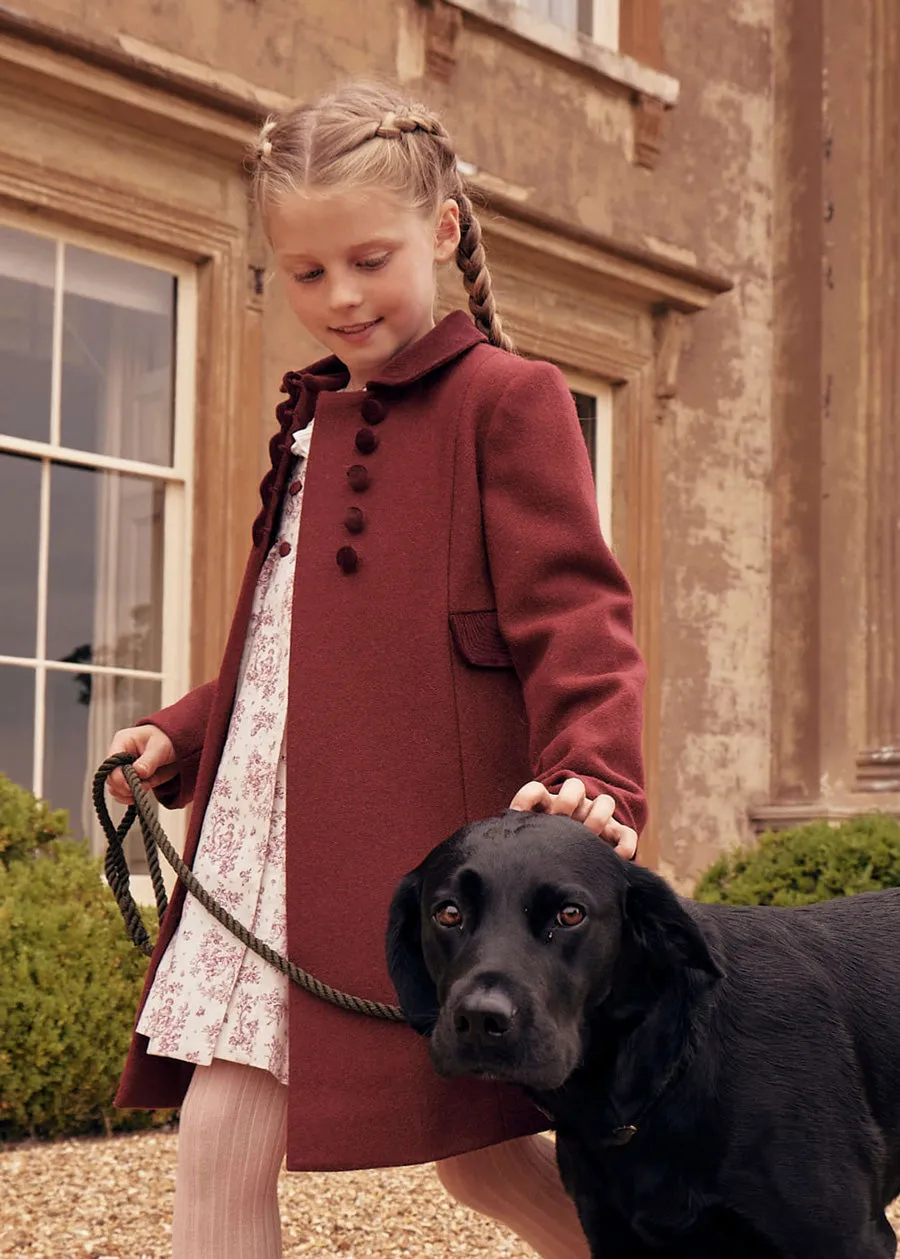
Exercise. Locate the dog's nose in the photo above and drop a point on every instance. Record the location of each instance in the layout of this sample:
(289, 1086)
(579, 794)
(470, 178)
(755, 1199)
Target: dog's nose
(484, 1018)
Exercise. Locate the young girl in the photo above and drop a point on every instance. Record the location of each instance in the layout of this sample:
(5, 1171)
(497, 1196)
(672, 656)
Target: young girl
(443, 635)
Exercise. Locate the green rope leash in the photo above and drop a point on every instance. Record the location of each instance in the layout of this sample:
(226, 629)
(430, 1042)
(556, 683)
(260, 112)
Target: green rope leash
(156, 841)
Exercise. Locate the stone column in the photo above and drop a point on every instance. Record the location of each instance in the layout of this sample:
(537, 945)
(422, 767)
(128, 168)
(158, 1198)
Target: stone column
(878, 763)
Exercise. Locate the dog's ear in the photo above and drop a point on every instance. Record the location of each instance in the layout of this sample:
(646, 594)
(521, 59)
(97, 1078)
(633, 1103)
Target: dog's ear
(405, 959)
(664, 932)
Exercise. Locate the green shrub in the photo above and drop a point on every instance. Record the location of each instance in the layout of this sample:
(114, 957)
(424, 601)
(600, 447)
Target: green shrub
(70, 980)
(809, 863)
(26, 824)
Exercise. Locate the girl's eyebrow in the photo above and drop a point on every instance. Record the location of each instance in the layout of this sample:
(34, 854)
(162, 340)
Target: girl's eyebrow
(379, 242)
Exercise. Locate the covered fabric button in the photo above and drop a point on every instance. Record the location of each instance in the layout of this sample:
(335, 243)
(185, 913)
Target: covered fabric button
(284, 548)
(348, 560)
(373, 411)
(358, 477)
(366, 441)
(354, 521)
(295, 487)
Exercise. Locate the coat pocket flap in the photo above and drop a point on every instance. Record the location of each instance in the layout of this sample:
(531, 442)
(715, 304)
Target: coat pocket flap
(478, 639)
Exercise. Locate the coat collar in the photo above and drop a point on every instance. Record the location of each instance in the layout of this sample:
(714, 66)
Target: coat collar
(452, 337)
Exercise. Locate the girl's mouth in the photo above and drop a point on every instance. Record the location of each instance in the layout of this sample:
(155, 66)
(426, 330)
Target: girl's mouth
(356, 331)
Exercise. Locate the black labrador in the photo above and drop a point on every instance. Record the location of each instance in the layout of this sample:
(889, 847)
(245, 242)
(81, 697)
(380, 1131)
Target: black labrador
(724, 1083)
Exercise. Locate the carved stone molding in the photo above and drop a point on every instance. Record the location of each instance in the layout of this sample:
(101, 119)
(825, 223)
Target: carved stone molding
(648, 128)
(785, 816)
(878, 769)
(443, 23)
(157, 89)
(671, 334)
(652, 279)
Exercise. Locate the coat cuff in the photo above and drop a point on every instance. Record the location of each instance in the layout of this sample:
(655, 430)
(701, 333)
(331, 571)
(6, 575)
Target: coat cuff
(185, 724)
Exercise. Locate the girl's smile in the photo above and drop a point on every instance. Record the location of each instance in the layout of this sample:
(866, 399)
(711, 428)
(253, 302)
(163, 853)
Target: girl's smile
(357, 333)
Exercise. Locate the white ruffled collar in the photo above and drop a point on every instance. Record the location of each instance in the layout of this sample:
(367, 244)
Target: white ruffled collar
(302, 438)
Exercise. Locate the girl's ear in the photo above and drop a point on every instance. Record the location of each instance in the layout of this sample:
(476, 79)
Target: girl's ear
(446, 231)
(405, 959)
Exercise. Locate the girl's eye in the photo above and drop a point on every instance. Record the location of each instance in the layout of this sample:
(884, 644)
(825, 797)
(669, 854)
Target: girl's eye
(305, 277)
(372, 264)
(448, 915)
(570, 916)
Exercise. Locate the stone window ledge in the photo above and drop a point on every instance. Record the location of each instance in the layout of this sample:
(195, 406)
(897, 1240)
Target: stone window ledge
(621, 72)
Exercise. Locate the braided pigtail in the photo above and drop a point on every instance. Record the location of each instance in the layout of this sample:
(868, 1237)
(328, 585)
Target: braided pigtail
(472, 261)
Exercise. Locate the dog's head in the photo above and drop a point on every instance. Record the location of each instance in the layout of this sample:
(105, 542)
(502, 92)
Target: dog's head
(515, 931)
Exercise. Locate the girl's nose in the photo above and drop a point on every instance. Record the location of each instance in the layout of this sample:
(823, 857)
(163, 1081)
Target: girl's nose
(344, 295)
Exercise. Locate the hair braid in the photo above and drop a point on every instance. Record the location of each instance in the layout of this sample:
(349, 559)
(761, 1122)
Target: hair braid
(471, 260)
(394, 125)
(263, 147)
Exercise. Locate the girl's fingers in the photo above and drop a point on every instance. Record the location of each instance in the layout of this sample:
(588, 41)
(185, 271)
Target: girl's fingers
(568, 801)
(623, 839)
(599, 814)
(161, 776)
(572, 801)
(532, 798)
(156, 763)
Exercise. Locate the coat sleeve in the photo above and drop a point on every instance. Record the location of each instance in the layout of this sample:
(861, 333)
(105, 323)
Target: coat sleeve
(564, 605)
(185, 723)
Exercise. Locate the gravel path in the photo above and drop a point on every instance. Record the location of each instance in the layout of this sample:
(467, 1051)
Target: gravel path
(111, 1198)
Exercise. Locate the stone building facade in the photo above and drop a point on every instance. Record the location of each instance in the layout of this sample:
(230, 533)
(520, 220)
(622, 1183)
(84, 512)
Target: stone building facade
(692, 209)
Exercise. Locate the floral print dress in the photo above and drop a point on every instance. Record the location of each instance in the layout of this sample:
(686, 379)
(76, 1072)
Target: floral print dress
(211, 996)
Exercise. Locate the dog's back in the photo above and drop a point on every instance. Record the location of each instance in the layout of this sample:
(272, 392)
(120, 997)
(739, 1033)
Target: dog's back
(815, 985)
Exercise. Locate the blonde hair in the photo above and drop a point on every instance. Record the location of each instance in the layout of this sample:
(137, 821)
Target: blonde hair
(368, 135)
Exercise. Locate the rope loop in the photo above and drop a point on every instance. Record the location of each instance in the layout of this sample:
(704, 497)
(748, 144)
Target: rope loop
(156, 842)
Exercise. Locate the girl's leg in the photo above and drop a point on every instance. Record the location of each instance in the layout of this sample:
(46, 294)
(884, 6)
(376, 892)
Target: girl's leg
(231, 1141)
(518, 1184)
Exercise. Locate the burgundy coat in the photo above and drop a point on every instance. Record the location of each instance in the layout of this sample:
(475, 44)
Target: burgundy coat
(478, 634)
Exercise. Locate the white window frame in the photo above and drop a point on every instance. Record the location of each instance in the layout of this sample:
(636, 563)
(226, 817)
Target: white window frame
(602, 454)
(598, 20)
(173, 674)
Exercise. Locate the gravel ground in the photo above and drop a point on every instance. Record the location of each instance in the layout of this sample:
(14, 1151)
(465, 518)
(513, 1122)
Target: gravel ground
(111, 1198)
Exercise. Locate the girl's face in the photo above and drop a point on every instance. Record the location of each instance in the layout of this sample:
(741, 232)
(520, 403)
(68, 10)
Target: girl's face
(360, 271)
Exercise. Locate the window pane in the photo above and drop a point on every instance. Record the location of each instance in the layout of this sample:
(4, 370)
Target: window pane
(17, 724)
(118, 365)
(83, 713)
(586, 407)
(104, 601)
(27, 268)
(564, 13)
(20, 489)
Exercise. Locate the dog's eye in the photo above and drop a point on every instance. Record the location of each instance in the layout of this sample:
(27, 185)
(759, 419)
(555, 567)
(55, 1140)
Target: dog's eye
(448, 915)
(570, 916)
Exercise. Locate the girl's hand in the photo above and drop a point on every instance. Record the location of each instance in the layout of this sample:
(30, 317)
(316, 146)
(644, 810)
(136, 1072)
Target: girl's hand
(572, 801)
(155, 764)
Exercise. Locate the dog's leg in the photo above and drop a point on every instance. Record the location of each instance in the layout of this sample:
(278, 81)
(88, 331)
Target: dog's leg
(609, 1237)
(879, 1243)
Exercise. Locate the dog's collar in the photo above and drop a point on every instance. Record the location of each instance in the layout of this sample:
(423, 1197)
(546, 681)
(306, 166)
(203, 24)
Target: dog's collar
(622, 1133)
